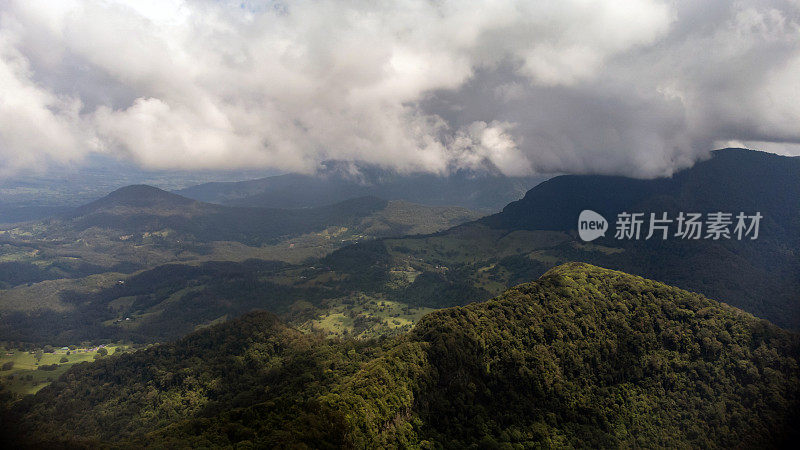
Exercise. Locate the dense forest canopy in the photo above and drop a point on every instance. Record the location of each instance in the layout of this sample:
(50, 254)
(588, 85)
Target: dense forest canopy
(582, 357)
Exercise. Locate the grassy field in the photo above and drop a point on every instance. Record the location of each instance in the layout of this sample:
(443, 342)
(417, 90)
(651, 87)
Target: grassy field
(365, 317)
(25, 377)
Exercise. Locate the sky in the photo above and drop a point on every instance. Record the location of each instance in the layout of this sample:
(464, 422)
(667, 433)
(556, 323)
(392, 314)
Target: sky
(640, 88)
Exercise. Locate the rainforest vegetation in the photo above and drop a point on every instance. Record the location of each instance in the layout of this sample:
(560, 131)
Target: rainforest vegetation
(582, 357)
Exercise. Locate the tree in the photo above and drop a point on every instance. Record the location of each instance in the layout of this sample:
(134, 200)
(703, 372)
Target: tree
(8, 366)
(63, 359)
(38, 355)
(102, 351)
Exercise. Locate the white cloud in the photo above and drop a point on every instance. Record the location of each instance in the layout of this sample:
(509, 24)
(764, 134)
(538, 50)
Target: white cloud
(639, 87)
(35, 124)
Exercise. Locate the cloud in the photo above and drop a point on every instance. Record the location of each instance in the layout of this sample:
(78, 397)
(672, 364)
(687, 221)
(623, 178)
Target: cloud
(642, 87)
(35, 124)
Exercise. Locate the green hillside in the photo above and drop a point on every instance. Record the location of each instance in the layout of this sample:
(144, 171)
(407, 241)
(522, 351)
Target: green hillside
(584, 357)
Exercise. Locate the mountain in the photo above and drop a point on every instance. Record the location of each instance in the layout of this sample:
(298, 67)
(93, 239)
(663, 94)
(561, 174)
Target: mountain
(583, 357)
(732, 180)
(338, 181)
(138, 196)
(41, 194)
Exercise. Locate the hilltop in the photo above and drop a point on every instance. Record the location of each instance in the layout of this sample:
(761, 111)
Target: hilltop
(582, 357)
(136, 196)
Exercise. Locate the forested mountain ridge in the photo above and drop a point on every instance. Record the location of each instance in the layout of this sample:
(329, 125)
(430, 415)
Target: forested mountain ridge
(583, 357)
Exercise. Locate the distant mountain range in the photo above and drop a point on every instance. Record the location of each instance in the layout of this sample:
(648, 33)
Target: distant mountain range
(339, 181)
(141, 208)
(10, 214)
(582, 358)
(36, 198)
